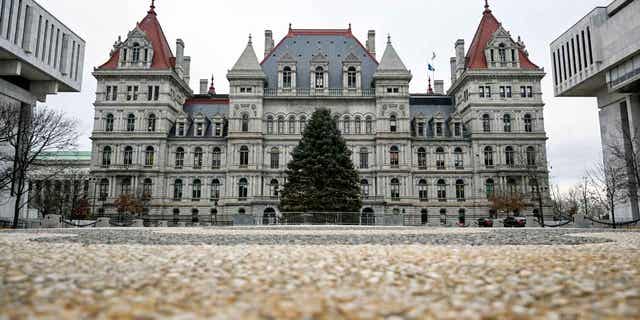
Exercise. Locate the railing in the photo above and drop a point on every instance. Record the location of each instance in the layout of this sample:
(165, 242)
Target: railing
(307, 92)
(624, 78)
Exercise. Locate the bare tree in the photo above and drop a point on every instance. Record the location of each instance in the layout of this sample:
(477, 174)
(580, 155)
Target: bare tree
(47, 131)
(609, 184)
(623, 150)
(58, 190)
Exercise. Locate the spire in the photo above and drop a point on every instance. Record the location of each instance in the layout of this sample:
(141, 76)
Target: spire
(486, 6)
(430, 89)
(247, 65)
(152, 8)
(391, 60)
(212, 88)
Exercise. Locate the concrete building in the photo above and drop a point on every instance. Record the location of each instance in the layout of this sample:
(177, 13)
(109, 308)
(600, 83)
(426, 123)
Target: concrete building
(39, 56)
(600, 57)
(424, 156)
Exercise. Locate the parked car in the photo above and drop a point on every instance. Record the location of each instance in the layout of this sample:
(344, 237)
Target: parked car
(485, 223)
(515, 222)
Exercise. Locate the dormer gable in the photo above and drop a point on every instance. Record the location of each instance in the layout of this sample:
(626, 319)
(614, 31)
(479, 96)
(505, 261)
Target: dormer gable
(137, 51)
(501, 51)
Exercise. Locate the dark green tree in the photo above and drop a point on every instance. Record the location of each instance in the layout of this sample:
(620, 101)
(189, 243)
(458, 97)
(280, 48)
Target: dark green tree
(321, 177)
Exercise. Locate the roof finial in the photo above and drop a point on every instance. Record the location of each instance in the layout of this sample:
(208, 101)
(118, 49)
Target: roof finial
(486, 6)
(212, 88)
(430, 89)
(388, 38)
(152, 8)
(290, 26)
(250, 41)
(349, 26)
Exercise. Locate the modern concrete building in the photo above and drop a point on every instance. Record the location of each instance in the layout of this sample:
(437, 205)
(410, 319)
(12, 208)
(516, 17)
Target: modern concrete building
(39, 56)
(600, 57)
(427, 157)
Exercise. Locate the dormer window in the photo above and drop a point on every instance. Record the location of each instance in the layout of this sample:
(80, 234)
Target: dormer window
(286, 78)
(180, 131)
(200, 129)
(439, 129)
(319, 78)
(351, 78)
(502, 53)
(135, 53)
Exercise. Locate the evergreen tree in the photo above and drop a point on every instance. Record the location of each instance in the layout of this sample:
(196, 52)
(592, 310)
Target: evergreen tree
(321, 177)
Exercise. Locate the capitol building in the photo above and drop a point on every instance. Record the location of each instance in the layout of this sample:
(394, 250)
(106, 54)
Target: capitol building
(423, 156)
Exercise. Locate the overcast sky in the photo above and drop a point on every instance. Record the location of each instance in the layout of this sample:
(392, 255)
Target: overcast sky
(215, 33)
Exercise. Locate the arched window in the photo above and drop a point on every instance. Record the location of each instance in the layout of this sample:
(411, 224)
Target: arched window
(196, 190)
(488, 157)
(393, 123)
(486, 123)
(531, 156)
(275, 158)
(274, 188)
(136, 53)
(243, 188)
(245, 123)
(197, 158)
(506, 119)
(512, 186)
(215, 189)
(131, 122)
(269, 125)
(216, 158)
(489, 187)
(395, 189)
(177, 190)
(369, 125)
(179, 158)
(286, 78)
(151, 123)
(422, 159)
(346, 125)
(125, 186)
(244, 156)
(533, 184)
(147, 189)
(128, 156)
(394, 155)
(528, 123)
(442, 190)
(108, 124)
(292, 125)
(458, 158)
(440, 159)
(364, 189)
(281, 125)
(149, 157)
(422, 190)
(502, 53)
(509, 156)
(303, 124)
(364, 158)
(358, 125)
(460, 190)
(320, 78)
(103, 192)
(106, 156)
(351, 78)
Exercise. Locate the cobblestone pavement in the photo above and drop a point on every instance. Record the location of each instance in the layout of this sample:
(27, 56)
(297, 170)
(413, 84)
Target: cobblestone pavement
(319, 273)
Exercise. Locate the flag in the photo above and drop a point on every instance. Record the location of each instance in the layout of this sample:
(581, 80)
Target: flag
(431, 68)
(434, 56)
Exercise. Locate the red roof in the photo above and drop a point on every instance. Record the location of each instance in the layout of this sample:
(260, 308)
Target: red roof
(162, 56)
(476, 58)
(200, 100)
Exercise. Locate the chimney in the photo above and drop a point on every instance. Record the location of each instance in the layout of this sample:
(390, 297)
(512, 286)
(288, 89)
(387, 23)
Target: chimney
(453, 70)
(187, 70)
(204, 86)
(460, 59)
(268, 42)
(371, 42)
(179, 52)
(438, 87)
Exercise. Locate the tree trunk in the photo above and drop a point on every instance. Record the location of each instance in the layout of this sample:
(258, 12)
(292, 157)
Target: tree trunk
(20, 158)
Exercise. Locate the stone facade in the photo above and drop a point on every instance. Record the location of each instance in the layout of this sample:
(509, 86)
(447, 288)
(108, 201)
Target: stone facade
(420, 156)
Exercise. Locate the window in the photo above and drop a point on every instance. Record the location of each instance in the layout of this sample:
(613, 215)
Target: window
(269, 125)
(458, 158)
(181, 127)
(369, 125)
(106, 156)
(442, 190)
(274, 187)
(149, 157)
(275, 158)
(485, 92)
(460, 190)
(395, 189)
(486, 123)
(346, 125)
(422, 159)
(364, 158)
(509, 156)
(103, 192)
(503, 92)
(523, 92)
(531, 156)
(147, 189)
(502, 53)
(128, 156)
(244, 156)
(218, 128)
(136, 53)
(242, 189)
(196, 190)
(303, 124)
(394, 155)
(197, 158)
(488, 157)
(153, 93)
(199, 129)
(125, 186)
(393, 123)
(481, 93)
(131, 122)
(533, 185)
(132, 93)
(245, 123)
(528, 123)
(281, 125)
(177, 190)
(215, 189)
(511, 186)
(364, 189)
(351, 78)
(457, 129)
(216, 159)
(246, 90)
(286, 78)
(319, 78)
(358, 125)
(506, 120)
(529, 92)
(292, 125)
(421, 132)
(112, 93)
(151, 123)
(108, 124)
(489, 188)
(179, 158)
(440, 159)
(423, 195)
